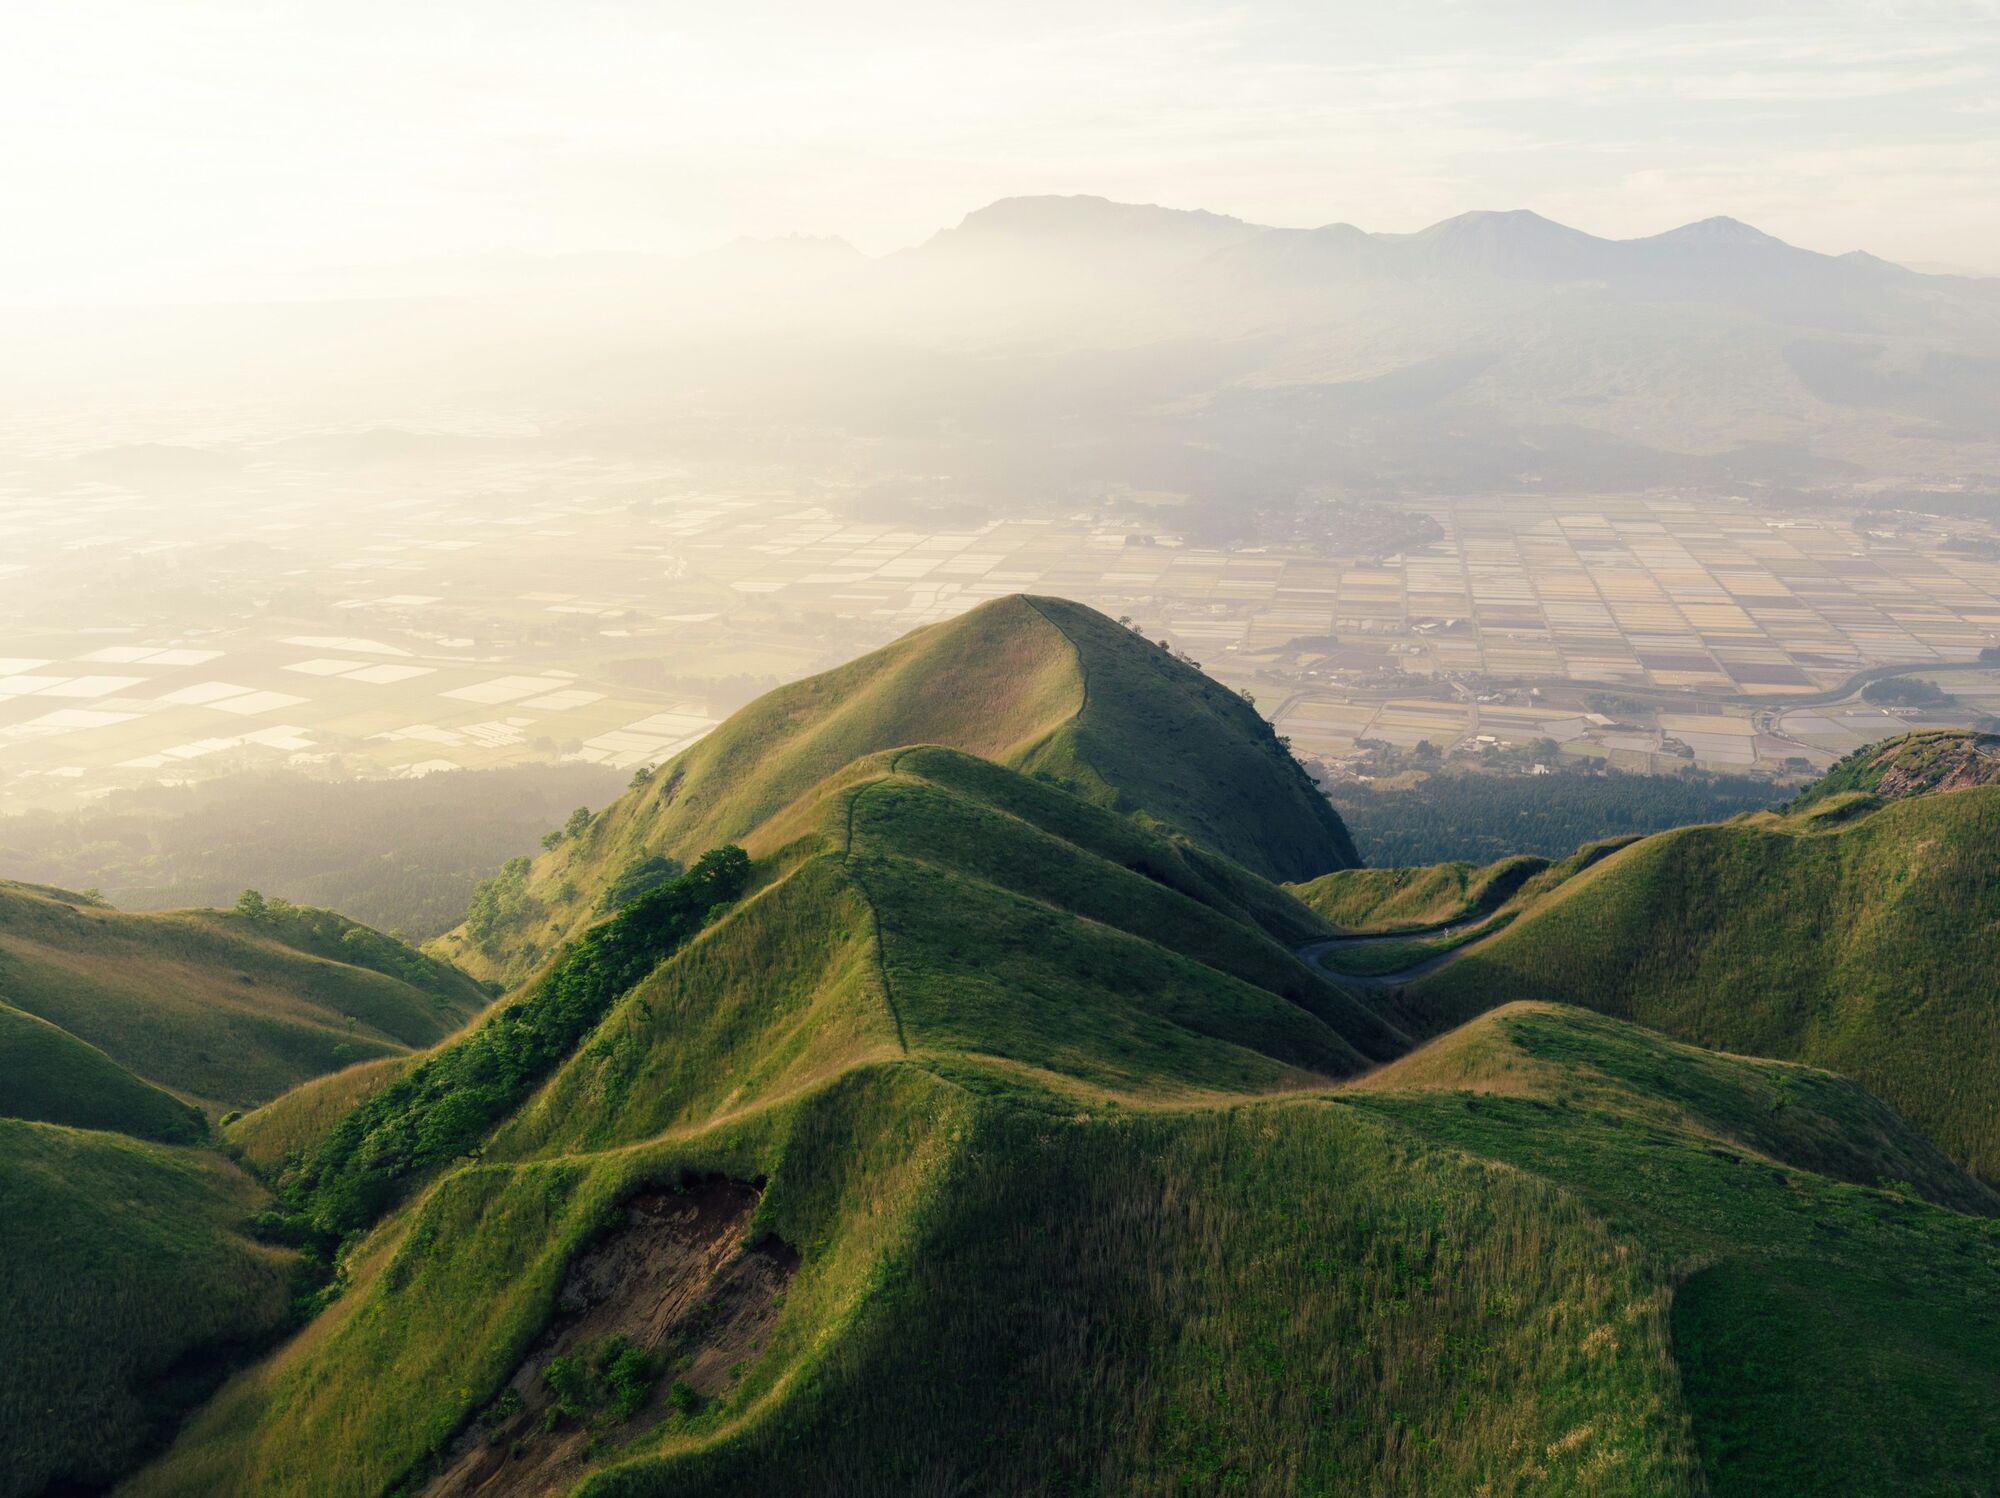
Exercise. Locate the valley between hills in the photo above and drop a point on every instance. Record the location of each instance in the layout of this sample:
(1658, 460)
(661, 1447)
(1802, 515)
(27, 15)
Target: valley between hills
(987, 1068)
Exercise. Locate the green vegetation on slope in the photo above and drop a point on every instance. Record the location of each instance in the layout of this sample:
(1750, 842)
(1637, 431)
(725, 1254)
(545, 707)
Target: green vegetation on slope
(1038, 684)
(447, 1103)
(48, 1074)
(1936, 760)
(1053, 1125)
(1080, 1182)
(279, 1135)
(1865, 944)
(1831, 1339)
(223, 1008)
(127, 1281)
(1478, 817)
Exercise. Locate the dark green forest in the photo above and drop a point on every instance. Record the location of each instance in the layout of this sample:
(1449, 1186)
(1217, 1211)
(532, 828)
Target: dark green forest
(1480, 817)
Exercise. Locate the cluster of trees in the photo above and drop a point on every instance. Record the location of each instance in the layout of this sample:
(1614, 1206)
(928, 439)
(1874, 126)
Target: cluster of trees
(501, 903)
(1480, 817)
(574, 826)
(453, 1098)
(1905, 691)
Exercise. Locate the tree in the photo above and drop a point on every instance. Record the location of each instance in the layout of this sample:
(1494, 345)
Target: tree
(578, 823)
(251, 904)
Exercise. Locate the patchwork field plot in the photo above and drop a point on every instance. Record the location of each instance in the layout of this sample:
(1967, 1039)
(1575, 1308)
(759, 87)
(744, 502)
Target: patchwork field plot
(423, 629)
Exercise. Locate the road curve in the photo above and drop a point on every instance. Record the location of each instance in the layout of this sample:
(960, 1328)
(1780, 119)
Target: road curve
(1312, 953)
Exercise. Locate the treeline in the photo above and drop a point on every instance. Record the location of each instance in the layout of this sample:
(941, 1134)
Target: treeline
(1477, 817)
(399, 855)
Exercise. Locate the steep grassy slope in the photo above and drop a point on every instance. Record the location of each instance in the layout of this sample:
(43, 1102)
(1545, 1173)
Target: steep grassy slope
(1858, 937)
(1048, 1137)
(223, 1008)
(292, 1124)
(1830, 1339)
(982, 1133)
(1039, 684)
(48, 1074)
(126, 1278)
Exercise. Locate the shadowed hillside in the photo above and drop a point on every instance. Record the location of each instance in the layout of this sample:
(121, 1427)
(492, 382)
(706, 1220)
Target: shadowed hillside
(1854, 933)
(48, 1074)
(130, 1280)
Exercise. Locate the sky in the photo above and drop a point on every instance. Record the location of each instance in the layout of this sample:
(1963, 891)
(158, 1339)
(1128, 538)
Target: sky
(218, 147)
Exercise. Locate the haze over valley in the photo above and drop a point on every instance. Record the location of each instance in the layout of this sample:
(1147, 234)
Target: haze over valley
(1098, 749)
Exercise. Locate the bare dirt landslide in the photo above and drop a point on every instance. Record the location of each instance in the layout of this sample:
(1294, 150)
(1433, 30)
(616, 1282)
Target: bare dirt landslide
(677, 1283)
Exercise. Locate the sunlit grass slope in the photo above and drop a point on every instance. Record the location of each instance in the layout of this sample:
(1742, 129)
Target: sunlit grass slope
(1039, 684)
(292, 1124)
(48, 1074)
(218, 1007)
(125, 1269)
(1860, 938)
(1087, 1200)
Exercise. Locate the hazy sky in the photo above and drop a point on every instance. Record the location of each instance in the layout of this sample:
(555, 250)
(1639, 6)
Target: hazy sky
(169, 143)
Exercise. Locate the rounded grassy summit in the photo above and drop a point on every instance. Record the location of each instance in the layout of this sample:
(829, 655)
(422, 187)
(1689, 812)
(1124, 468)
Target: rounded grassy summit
(1042, 685)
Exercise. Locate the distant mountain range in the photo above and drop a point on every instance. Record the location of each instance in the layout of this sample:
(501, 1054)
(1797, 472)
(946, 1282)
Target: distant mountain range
(1066, 350)
(1074, 346)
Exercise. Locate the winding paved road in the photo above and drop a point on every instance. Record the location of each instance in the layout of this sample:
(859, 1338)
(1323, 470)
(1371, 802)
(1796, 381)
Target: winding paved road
(1313, 951)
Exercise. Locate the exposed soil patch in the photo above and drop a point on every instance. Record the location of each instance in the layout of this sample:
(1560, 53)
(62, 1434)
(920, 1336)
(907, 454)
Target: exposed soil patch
(1950, 763)
(656, 1317)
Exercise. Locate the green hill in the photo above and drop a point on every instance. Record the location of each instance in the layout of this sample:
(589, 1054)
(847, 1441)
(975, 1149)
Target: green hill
(1855, 934)
(983, 1136)
(223, 1008)
(1415, 899)
(48, 1074)
(974, 1127)
(1042, 685)
(129, 1283)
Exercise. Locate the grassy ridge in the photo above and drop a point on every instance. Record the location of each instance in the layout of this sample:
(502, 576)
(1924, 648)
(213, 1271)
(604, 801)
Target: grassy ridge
(446, 1104)
(1831, 1338)
(220, 1008)
(291, 1126)
(1095, 1190)
(1415, 898)
(1038, 684)
(1862, 943)
(124, 1265)
(1156, 738)
(49, 1075)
